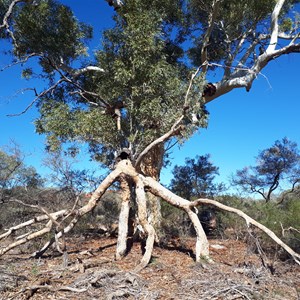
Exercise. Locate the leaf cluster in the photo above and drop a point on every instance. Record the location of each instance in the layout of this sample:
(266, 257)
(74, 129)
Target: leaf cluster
(49, 29)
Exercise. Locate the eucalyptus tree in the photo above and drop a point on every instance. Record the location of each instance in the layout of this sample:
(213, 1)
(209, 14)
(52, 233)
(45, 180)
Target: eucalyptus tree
(145, 87)
(196, 178)
(277, 168)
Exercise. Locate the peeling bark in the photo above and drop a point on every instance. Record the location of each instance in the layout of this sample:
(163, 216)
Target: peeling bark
(151, 165)
(142, 215)
(123, 219)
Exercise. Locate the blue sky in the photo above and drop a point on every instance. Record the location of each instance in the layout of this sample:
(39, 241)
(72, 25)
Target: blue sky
(240, 123)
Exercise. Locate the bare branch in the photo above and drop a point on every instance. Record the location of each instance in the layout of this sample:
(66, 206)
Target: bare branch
(7, 16)
(235, 81)
(31, 222)
(283, 230)
(274, 27)
(176, 128)
(75, 72)
(232, 56)
(184, 204)
(95, 198)
(290, 191)
(20, 61)
(38, 96)
(249, 221)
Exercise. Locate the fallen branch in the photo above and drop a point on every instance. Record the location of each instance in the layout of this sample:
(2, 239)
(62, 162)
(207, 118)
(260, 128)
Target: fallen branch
(31, 290)
(31, 222)
(249, 221)
(141, 182)
(96, 196)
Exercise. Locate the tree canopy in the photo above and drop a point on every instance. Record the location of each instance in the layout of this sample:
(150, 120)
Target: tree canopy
(276, 167)
(15, 174)
(148, 77)
(196, 178)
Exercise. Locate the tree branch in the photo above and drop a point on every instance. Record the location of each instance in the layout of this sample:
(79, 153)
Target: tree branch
(274, 27)
(95, 198)
(177, 127)
(7, 16)
(244, 77)
(38, 96)
(249, 221)
(235, 81)
(211, 21)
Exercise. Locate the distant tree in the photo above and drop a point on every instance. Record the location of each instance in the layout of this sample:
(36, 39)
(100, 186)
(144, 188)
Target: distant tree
(66, 177)
(277, 167)
(196, 178)
(15, 174)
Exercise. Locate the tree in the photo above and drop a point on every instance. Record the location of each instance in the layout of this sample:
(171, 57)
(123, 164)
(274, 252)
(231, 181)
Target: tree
(141, 93)
(195, 178)
(276, 168)
(14, 174)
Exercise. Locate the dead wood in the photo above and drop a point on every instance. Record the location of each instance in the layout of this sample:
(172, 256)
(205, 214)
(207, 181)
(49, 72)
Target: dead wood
(125, 167)
(31, 290)
(76, 214)
(249, 221)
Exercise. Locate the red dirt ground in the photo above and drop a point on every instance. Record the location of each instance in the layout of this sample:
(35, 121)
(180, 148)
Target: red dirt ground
(92, 273)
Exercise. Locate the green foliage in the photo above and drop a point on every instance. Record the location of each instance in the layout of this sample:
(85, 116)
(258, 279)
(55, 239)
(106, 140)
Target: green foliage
(286, 25)
(27, 73)
(13, 172)
(51, 29)
(195, 178)
(273, 216)
(145, 77)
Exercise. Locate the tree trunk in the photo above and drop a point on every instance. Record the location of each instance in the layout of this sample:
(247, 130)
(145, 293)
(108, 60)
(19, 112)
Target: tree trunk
(123, 218)
(151, 166)
(202, 245)
(141, 200)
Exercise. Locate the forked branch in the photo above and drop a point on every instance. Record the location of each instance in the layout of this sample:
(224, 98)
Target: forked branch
(142, 182)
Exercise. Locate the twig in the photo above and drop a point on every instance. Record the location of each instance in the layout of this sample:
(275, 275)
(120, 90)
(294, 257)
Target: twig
(283, 230)
(40, 95)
